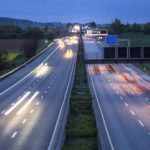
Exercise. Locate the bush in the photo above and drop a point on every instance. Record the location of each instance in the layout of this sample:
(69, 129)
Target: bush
(147, 28)
(3, 60)
(81, 144)
(81, 126)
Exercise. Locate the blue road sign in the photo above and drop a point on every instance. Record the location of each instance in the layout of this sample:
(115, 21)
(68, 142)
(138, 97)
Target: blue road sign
(111, 40)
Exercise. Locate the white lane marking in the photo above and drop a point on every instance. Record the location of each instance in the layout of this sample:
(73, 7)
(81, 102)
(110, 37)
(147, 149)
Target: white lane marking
(117, 92)
(61, 109)
(126, 104)
(37, 80)
(104, 122)
(121, 97)
(48, 87)
(114, 88)
(14, 134)
(51, 83)
(29, 101)
(19, 102)
(148, 133)
(132, 112)
(37, 103)
(3, 112)
(31, 111)
(141, 123)
(111, 84)
(24, 121)
(34, 83)
(41, 97)
(27, 74)
(45, 92)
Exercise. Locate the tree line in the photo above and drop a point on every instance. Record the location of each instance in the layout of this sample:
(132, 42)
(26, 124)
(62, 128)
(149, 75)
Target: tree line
(16, 32)
(117, 27)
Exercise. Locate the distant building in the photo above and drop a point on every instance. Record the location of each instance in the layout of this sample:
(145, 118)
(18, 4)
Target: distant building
(75, 28)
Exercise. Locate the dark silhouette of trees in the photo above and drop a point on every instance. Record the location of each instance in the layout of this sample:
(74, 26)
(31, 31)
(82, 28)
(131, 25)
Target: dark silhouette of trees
(29, 48)
(117, 26)
(3, 59)
(147, 28)
(93, 24)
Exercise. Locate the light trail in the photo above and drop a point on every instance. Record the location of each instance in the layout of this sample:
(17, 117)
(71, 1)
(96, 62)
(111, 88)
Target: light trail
(26, 105)
(19, 102)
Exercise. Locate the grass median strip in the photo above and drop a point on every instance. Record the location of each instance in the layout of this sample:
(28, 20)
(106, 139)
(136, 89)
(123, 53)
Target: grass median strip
(81, 133)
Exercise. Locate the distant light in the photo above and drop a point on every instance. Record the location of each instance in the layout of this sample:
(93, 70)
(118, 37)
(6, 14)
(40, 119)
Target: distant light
(69, 54)
(42, 70)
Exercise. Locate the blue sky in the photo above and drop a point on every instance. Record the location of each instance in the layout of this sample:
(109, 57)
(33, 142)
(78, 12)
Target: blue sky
(101, 11)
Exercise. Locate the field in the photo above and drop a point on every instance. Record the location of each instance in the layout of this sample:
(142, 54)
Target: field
(15, 55)
(136, 39)
(11, 45)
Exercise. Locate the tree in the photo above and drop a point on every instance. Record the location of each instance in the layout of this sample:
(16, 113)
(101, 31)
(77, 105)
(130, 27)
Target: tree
(128, 27)
(10, 31)
(46, 30)
(147, 28)
(69, 25)
(33, 32)
(117, 26)
(29, 48)
(93, 24)
(136, 27)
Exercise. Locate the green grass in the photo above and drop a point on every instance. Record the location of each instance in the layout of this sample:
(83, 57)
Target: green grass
(12, 56)
(81, 133)
(81, 144)
(136, 39)
(144, 67)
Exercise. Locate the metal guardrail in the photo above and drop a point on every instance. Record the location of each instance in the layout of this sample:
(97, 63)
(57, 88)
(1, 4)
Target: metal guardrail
(114, 61)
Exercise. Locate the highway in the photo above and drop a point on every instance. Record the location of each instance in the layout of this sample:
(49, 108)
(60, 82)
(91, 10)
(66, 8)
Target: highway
(121, 105)
(31, 99)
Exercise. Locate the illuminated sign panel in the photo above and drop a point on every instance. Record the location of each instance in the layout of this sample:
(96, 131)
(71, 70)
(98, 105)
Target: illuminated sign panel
(96, 32)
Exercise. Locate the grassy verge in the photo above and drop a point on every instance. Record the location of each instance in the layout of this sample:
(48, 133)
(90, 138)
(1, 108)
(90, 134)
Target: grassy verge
(144, 67)
(81, 133)
(16, 59)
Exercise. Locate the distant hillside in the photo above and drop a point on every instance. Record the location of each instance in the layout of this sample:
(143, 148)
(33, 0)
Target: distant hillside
(27, 23)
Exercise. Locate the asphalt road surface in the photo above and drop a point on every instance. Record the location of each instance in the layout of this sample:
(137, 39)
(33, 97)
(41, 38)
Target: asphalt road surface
(122, 106)
(30, 99)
